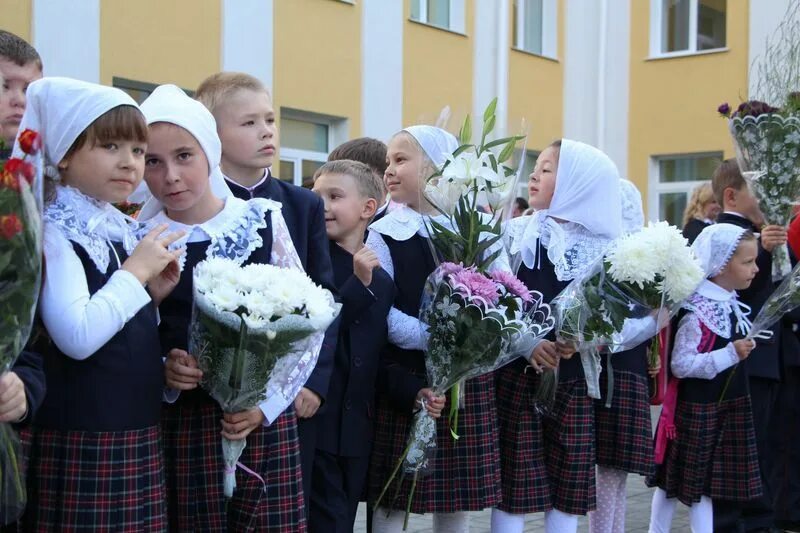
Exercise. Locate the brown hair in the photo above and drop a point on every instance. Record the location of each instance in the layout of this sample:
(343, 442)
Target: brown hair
(18, 50)
(702, 195)
(369, 185)
(215, 89)
(726, 176)
(370, 151)
(121, 123)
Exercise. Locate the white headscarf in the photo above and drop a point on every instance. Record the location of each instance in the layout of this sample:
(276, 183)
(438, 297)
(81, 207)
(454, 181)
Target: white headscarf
(168, 103)
(715, 246)
(435, 142)
(587, 194)
(632, 210)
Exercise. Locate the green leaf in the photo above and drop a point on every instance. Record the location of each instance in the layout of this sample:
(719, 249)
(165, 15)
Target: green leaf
(465, 135)
(507, 151)
(490, 110)
(488, 126)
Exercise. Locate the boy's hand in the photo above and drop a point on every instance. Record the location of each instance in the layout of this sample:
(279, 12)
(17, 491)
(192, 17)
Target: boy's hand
(773, 236)
(237, 426)
(433, 404)
(13, 402)
(546, 354)
(306, 403)
(744, 347)
(181, 370)
(364, 262)
(565, 349)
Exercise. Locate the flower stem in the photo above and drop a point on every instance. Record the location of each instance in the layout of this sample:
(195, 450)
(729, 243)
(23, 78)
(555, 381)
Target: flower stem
(391, 477)
(455, 392)
(237, 365)
(410, 499)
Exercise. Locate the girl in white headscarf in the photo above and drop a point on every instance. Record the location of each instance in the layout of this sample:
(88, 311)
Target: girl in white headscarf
(548, 462)
(706, 443)
(95, 457)
(464, 473)
(189, 193)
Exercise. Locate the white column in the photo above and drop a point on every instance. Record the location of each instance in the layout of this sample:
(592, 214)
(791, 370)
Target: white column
(597, 75)
(764, 19)
(381, 68)
(66, 33)
(490, 62)
(248, 38)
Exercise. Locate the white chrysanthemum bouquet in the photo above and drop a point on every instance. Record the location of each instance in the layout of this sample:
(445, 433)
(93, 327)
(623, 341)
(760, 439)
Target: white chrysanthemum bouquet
(250, 327)
(627, 296)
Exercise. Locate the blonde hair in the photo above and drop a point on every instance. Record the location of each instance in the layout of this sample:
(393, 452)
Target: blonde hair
(702, 195)
(217, 88)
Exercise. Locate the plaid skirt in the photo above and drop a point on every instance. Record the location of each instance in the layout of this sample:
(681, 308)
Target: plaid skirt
(714, 453)
(525, 484)
(569, 448)
(194, 468)
(623, 433)
(95, 481)
(464, 474)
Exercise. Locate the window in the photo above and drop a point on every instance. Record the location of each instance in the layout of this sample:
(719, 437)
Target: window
(687, 26)
(138, 90)
(672, 180)
(535, 23)
(306, 140)
(447, 14)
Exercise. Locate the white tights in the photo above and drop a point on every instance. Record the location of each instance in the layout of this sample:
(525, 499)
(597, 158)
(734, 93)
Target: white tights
(442, 522)
(555, 521)
(701, 514)
(610, 514)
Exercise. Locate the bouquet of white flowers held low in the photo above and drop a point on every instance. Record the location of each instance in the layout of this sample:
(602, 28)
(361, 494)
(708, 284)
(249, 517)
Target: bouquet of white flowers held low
(625, 299)
(250, 326)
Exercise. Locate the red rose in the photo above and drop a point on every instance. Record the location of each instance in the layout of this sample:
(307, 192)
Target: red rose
(21, 168)
(10, 225)
(30, 141)
(9, 180)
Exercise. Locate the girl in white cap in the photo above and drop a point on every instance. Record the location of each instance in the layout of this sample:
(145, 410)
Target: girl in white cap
(189, 193)
(95, 456)
(464, 473)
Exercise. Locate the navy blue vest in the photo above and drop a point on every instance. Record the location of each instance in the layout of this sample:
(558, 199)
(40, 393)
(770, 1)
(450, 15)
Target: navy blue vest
(119, 387)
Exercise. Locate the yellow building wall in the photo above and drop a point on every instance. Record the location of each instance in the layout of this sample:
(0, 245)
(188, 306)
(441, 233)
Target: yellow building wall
(318, 58)
(437, 71)
(673, 101)
(15, 16)
(536, 91)
(160, 42)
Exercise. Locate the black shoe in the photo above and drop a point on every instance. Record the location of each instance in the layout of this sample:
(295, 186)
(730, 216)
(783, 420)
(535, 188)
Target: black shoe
(788, 525)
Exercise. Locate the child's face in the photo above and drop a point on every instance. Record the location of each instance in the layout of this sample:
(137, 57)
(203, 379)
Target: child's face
(12, 98)
(108, 171)
(176, 168)
(542, 181)
(403, 175)
(246, 126)
(346, 209)
(711, 210)
(741, 269)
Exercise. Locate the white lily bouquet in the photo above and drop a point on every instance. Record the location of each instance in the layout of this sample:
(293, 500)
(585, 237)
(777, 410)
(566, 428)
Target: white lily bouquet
(625, 298)
(250, 326)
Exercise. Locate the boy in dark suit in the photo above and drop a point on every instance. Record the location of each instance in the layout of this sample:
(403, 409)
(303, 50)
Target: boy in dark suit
(352, 194)
(242, 107)
(740, 207)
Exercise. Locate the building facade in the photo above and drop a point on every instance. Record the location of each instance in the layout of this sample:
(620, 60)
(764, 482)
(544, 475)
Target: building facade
(640, 79)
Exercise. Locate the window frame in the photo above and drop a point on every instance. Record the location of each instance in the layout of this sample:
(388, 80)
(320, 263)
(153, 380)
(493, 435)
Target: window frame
(338, 132)
(456, 21)
(655, 188)
(657, 27)
(549, 22)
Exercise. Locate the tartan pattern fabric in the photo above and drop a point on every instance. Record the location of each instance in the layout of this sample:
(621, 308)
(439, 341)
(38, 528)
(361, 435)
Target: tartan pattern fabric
(569, 448)
(95, 481)
(194, 466)
(623, 433)
(714, 453)
(464, 475)
(525, 484)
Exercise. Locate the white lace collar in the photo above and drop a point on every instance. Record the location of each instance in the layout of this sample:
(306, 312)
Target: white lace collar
(92, 224)
(713, 306)
(232, 233)
(571, 248)
(402, 223)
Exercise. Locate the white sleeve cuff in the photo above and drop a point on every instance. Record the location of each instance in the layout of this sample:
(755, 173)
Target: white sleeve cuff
(725, 358)
(273, 407)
